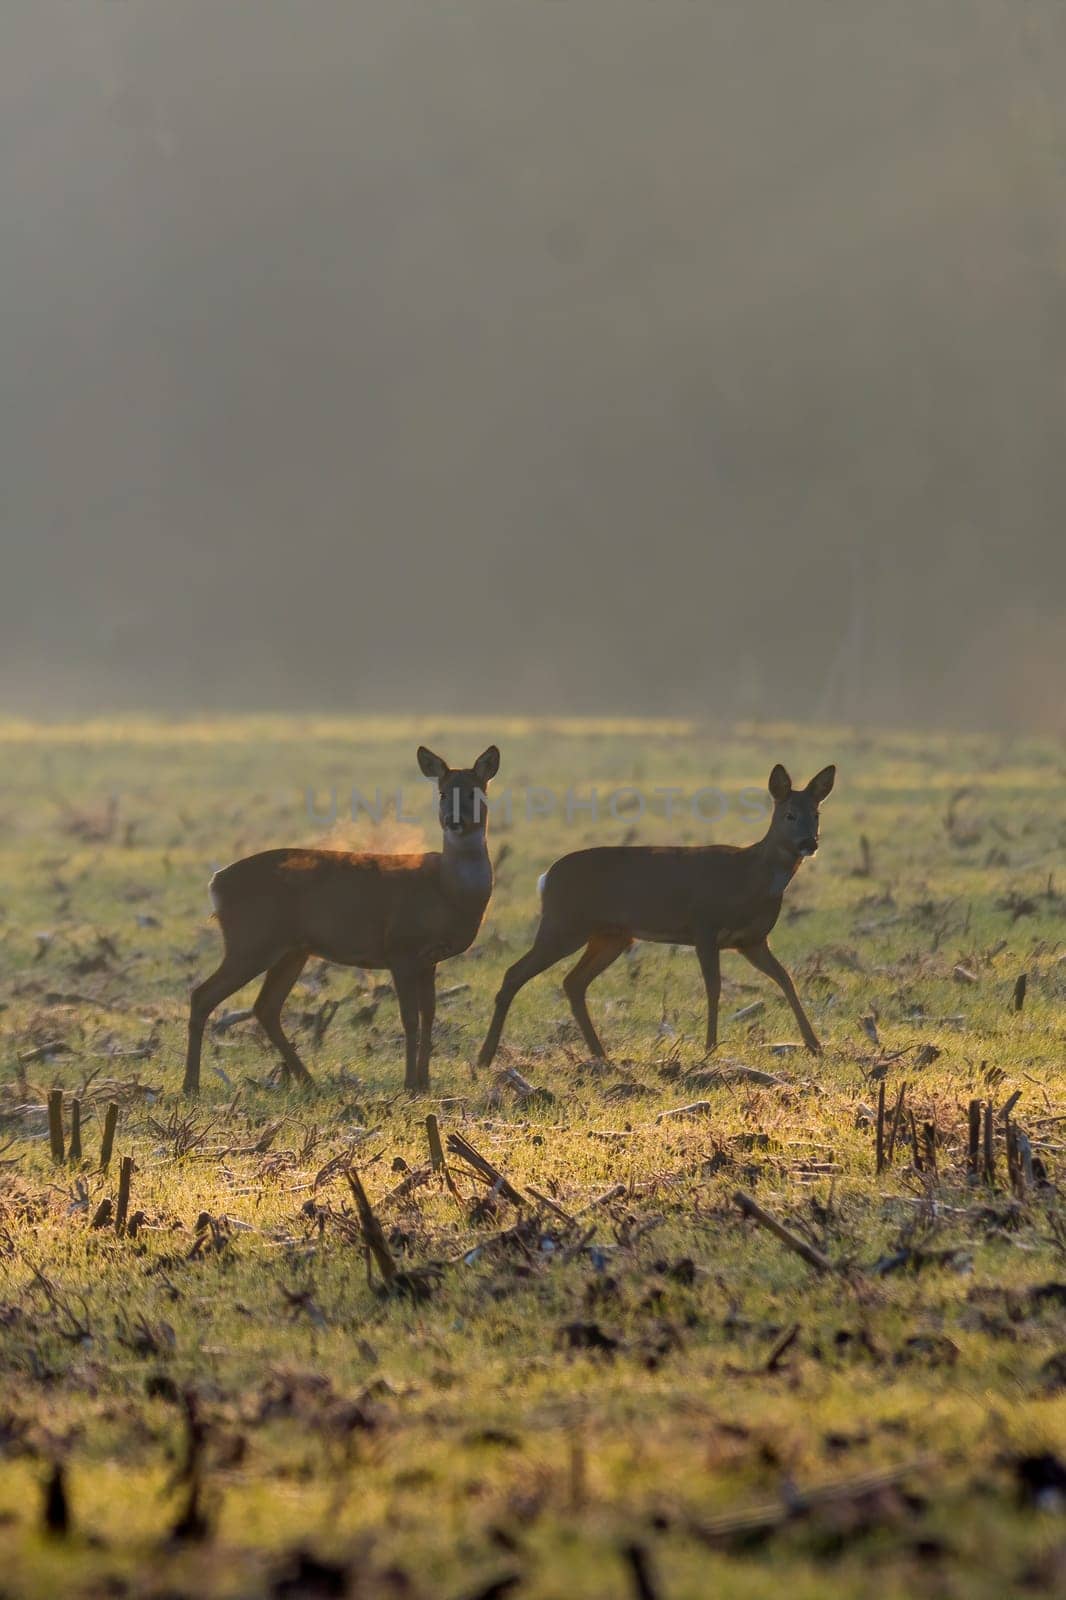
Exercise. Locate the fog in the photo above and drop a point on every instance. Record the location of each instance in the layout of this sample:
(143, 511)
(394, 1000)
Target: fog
(671, 356)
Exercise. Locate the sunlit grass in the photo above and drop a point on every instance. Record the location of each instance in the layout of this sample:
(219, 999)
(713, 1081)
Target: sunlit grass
(484, 1444)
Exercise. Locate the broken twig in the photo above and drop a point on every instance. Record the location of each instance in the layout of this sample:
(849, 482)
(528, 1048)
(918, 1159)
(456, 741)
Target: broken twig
(751, 1208)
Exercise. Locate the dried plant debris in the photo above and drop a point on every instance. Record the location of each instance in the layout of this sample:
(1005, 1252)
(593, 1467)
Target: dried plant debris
(569, 1328)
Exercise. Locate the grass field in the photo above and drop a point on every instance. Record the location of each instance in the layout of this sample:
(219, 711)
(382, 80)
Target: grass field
(237, 1409)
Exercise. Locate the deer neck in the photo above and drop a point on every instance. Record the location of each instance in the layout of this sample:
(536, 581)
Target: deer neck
(779, 862)
(466, 871)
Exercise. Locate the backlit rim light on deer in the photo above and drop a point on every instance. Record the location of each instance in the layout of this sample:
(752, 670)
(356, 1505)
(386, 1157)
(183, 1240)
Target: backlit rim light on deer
(405, 913)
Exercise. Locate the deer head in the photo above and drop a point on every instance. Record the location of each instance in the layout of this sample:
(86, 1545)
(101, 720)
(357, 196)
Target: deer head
(462, 789)
(794, 824)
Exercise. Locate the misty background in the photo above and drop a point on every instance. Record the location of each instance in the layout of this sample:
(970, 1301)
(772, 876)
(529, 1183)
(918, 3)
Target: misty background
(667, 356)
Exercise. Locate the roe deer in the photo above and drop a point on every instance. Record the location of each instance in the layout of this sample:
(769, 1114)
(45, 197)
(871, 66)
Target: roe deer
(715, 897)
(404, 913)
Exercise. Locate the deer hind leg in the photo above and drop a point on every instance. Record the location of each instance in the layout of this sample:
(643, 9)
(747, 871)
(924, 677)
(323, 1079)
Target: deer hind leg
(602, 949)
(272, 996)
(550, 946)
(763, 960)
(232, 974)
(427, 1007)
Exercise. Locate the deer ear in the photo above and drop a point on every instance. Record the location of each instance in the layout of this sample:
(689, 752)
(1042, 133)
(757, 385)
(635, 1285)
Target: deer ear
(780, 784)
(432, 766)
(821, 784)
(487, 765)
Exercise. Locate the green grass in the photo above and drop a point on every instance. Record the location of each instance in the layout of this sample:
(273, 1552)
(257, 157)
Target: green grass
(436, 1445)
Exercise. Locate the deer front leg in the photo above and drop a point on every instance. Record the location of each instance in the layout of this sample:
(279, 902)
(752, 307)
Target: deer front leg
(406, 984)
(763, 960)
(710, 966)
(427, 1006)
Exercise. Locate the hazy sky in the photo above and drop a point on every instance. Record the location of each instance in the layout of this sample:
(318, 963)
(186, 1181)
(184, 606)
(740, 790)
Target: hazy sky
(559, 354)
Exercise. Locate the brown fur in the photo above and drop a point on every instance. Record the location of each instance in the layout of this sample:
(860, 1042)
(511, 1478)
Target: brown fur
(713, 897)
(403, 913)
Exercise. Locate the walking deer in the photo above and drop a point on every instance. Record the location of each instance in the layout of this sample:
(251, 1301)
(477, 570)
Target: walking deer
(404, 913)
(715, 897)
